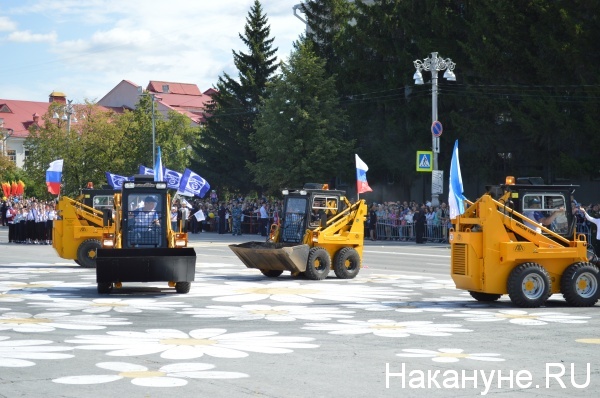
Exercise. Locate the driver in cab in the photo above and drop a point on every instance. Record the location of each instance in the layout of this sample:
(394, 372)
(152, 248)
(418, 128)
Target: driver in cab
(147, 216)
(535, 214)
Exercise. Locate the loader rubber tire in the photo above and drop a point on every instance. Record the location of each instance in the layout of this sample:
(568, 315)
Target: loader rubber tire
(346, 263)
(104, 287)
(318, 264)
(579, 284)
(484, 297)
(86, 253)
(271, 273)
(183, 287)
(529, 285)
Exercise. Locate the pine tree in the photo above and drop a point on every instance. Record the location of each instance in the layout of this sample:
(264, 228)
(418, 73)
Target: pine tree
(327, 22)
(301, 130)
(224, 148)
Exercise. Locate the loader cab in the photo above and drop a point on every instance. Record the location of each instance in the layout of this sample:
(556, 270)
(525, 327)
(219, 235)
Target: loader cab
(538, 202)
(308, 208)
(145, 214)
(99, 199)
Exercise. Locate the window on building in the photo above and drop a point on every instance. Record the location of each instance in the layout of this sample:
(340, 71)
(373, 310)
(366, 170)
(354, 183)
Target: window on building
(26, 154)
(12, 155)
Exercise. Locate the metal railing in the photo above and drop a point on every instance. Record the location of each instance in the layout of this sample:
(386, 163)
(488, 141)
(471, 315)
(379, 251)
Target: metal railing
(435, 233)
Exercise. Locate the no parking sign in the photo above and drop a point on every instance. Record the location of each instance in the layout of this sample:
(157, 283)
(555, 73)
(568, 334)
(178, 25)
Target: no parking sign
(436, 128)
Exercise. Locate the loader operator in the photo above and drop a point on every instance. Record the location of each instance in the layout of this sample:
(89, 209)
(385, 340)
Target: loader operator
(145, 223)
(534, 204)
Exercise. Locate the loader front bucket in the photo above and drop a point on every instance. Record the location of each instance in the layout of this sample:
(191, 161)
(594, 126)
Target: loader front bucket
(267, 256)
(145, 265)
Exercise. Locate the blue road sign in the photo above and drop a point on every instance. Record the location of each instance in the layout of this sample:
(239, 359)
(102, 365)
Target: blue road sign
(436, 128)
(424, 161)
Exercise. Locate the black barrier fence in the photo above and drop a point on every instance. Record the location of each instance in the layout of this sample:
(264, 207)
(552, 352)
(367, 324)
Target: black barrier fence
(436, 233)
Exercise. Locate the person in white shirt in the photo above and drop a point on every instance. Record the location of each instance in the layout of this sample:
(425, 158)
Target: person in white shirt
(50, 217)
(264, 219)
(174, 226)
(597, 222)
(40, 225)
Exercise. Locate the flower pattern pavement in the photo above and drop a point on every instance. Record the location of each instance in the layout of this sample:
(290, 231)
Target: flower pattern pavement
(235, 318)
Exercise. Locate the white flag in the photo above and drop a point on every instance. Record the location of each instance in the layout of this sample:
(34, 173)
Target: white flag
(199, 215)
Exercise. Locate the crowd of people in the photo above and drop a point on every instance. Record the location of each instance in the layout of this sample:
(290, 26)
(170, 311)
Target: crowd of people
(236, 216)
(30, 220)
(407, 221)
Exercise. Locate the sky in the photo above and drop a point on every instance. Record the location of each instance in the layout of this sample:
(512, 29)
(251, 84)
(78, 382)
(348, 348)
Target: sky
(84, 48)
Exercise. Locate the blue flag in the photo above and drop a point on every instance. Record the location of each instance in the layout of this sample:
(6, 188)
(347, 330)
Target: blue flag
(173, 178)
(455, 195)
(146, 170)
(116, 181)
(158, 167)
(192, 184)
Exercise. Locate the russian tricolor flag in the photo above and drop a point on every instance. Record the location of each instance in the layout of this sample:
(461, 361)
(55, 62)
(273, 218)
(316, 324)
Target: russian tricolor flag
(361, 176)
(54, 176)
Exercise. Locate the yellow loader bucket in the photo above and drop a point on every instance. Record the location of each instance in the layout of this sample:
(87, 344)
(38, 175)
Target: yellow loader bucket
(273, 256)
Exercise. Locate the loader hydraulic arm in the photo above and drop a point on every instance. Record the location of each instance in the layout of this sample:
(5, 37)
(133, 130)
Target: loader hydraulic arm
(346, 222)
(70, 208)
(489, 213)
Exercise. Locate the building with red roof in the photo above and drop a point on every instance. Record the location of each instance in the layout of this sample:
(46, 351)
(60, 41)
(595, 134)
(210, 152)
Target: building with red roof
(184, 98)
(16, 117)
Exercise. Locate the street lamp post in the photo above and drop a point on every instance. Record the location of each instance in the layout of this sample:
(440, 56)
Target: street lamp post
(68, 112)
(434, 64)
(153, 97)
(5, 134)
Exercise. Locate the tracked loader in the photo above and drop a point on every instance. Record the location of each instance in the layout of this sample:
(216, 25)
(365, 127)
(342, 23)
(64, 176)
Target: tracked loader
(520, 239)
(317, 225)
(142, 246)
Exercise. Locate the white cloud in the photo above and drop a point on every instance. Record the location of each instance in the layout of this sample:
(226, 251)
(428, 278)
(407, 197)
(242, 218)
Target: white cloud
(99, 43)
(25, 36)
(6, 24)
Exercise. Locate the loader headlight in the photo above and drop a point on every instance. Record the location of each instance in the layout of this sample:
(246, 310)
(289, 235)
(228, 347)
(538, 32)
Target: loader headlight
(180, 240)
(129, 185)
(108, 243)
(285, 192)
(161, 185)
(303, 192)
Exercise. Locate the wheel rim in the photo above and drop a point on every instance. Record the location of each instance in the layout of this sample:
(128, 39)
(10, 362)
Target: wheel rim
(533, 286)
(586, 285)
(349, 264)
(318, 264)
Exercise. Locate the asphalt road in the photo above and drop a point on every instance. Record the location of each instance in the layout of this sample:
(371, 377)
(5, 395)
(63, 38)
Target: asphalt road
(399, 329)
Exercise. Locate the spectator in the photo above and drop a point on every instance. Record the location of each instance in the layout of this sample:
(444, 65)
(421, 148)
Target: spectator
(595, 222)
(264, 218)
(236, 216)
(222, 219)
(420, 218)
(373, 221)
(174, 217)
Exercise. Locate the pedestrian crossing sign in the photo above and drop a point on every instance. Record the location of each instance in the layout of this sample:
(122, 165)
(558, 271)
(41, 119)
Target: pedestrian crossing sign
(425, 161)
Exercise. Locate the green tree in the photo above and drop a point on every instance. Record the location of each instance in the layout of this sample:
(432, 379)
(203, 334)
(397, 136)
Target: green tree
(224, 149)
(104, 141)
(88, 148)
(301, 130)
(328, 23)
